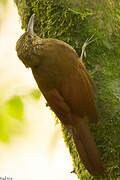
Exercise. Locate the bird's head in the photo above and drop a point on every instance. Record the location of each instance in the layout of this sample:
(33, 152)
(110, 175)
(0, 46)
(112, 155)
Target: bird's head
(25, 45)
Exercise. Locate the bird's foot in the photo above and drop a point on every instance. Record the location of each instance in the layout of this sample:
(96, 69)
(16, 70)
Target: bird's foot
(88, 41)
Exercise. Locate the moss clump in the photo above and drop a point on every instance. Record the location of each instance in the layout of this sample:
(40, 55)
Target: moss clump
(74, 21)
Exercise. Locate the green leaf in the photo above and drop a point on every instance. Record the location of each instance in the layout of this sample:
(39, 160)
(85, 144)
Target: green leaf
(15, 107)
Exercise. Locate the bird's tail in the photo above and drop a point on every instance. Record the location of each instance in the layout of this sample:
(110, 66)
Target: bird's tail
(87, 149)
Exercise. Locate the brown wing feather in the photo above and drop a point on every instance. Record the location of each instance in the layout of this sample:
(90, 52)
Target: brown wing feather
(78, 94)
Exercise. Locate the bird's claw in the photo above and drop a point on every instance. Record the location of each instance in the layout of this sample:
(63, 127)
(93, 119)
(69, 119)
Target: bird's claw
(88, 41)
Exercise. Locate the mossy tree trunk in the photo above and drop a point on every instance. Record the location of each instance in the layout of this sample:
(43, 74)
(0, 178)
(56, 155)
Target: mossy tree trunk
(74, 21)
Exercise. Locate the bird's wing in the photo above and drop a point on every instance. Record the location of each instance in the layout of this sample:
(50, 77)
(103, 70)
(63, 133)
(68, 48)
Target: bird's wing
(69, 77)
(59, 106)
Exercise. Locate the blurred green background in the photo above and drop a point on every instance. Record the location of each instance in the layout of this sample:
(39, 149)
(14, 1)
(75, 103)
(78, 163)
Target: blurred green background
(12, 115)
(12, 106)
(30, 144)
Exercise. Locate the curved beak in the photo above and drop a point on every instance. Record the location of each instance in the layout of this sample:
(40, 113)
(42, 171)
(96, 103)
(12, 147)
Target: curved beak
(31, 24)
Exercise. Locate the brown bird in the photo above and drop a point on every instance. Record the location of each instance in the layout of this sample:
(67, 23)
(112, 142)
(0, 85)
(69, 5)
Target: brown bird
(63, 79)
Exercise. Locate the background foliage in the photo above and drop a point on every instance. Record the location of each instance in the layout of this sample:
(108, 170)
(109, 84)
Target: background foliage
(74, 21)
(12, 114)
(3, 9)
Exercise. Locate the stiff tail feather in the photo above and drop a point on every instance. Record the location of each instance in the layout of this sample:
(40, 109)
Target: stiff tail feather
(87, 149)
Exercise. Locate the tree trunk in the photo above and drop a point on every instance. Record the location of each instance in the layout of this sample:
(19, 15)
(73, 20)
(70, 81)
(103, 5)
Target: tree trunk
(74, 21)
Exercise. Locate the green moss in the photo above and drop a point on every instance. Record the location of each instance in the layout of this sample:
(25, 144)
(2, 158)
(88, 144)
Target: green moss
(74, 22)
